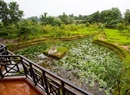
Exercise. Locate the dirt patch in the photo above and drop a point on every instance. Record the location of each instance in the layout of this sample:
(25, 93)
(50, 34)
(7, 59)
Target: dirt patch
(5, 42)
(123, 46)
(103, 39)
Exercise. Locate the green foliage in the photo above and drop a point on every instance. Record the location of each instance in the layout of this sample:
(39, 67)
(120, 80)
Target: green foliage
(95, 17)
(10, 13)
(93, 62)
(46, 29)
(26, 28)
(115, 36)
(93, 27)
(57, 32)
(10, 32)
(127, 16)
(111, 17)
(57, 22)
(49, 20)
(87, 24)
(14, 12)
(123, 71)
(60, 32)
(35, 18)
(101, 26)
(64, 18)
(3, 12)
(120, 26)
(33, 51)
(73, 27)
(128, 28)
(62, 49)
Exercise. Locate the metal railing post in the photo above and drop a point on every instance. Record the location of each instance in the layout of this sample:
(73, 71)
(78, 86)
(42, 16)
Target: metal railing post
(45, 81)
(32, 73)
(62, 88)
(24, 68)
(2, 76)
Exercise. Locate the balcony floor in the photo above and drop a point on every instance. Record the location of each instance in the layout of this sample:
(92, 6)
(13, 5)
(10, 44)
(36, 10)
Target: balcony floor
(17, 87)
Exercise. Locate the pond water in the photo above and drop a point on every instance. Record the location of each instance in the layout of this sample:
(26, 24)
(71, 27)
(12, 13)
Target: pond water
(87, 65)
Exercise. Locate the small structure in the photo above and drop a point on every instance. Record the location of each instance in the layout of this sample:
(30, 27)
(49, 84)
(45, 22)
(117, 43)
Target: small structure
(52, 50)
(56, 53)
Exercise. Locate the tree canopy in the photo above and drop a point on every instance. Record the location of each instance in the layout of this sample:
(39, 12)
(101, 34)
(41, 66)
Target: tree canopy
(127, 16)
(10, 13)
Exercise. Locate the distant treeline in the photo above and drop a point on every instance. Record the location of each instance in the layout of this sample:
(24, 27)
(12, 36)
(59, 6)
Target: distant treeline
(12, 24)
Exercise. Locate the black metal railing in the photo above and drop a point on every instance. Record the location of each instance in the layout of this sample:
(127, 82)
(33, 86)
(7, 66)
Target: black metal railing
(3, 50)
(51, 84)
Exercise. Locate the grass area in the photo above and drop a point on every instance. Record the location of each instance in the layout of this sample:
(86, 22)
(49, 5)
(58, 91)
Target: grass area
(83, 31)
(64, 33)
(115, 36)
(120, 42)
(40, 37)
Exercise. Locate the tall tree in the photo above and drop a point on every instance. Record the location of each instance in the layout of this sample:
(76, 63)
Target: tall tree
(115, 15)
(26, 27)
(50, 20)
(95, 17)
(14, 13)
(111, 17)
(10, 13)
(4, 12)
(105, 16)
(71, 18)
(43, 19)
(35, 18)
(64, 18)
(127, 16)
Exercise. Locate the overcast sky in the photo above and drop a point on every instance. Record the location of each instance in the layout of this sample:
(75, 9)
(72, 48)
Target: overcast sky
(76, 7)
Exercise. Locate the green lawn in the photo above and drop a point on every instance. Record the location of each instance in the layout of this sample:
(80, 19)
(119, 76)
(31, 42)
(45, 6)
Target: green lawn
(115, 36)
(83, 31)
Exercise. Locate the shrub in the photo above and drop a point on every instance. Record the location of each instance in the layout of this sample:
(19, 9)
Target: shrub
(101, 26)
(47, 29)
(73, 27)
(120, 26)
(87, 24)
(128, 28)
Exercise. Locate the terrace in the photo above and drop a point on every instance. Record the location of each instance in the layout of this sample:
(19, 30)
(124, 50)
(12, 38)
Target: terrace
(20, 76)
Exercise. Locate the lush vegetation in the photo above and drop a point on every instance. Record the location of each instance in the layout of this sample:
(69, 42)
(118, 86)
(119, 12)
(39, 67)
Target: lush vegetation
(115, 36)
(89, 63)
(10, 13)
(13, 27)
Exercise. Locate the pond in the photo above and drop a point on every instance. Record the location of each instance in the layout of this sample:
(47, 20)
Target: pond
(87, 65)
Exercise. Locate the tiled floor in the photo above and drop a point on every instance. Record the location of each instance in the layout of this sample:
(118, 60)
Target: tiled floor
(17, 87)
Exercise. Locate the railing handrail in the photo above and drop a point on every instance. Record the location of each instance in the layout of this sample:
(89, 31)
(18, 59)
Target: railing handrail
(54, 75)
(3, 49)
(38, 75)
(2, 45)
(45, 70)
